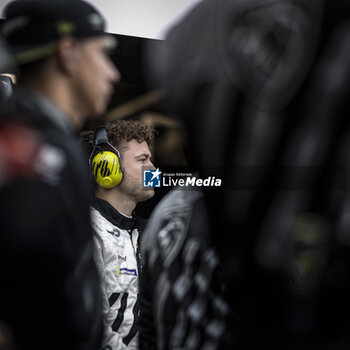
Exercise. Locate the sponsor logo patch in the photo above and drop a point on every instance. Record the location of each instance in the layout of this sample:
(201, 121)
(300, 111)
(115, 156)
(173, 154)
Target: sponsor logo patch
(124, 271)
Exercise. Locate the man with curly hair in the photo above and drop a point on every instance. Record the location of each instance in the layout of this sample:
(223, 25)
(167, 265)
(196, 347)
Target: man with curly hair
(117, 228)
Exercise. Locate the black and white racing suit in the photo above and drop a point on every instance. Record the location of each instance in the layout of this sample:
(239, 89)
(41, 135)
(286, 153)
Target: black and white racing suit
(116, 256)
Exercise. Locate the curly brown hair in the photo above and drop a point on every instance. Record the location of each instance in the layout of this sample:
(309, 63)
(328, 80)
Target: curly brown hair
(121, 130)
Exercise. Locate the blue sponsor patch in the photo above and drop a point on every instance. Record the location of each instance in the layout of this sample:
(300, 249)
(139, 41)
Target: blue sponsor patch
(124, 271)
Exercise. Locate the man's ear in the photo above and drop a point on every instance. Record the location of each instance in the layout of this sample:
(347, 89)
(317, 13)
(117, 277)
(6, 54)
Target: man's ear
(67, 52)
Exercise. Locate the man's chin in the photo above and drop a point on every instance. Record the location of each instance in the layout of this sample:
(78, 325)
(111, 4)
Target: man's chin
(95, 117)
(96, 112)
(148, 193)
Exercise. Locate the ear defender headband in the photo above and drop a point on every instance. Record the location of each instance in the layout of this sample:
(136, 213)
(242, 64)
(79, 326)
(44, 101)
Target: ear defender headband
(105, 165)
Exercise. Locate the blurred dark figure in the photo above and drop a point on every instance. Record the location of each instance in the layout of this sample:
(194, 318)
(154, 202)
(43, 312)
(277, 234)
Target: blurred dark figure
(49, 295)
(6, 338)
(7, 61)
(182, 291)
(6, 65)
(263, 87)
(6, 88)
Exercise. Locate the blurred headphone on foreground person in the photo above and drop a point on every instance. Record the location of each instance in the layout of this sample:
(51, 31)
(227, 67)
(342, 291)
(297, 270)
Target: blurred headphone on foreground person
(48, 275)
(266, 85)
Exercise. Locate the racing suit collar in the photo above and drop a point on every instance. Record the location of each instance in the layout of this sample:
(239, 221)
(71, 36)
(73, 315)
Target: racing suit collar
(117, 219)
(27, 100)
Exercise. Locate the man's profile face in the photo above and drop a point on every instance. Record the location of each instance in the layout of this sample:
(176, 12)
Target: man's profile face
(134, 157)
(96, 74)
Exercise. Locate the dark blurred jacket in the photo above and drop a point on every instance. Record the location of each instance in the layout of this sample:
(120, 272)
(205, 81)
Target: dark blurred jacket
(182, 291)
(49, 295)
(263, 89)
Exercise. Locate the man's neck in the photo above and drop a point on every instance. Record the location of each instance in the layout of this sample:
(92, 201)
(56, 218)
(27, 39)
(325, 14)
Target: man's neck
(117, 200)
(58, 96)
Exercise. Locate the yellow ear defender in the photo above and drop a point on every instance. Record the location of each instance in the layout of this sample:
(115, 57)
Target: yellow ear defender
(105, 165)
(106, 169)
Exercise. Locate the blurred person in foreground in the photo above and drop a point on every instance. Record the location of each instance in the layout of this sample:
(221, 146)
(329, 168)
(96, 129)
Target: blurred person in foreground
(182, 290)
(50, 296)
(119, 154)
(6, 65)
(265, 84)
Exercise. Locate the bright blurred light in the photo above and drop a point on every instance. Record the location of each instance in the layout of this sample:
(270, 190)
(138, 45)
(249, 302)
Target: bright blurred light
(141, 18)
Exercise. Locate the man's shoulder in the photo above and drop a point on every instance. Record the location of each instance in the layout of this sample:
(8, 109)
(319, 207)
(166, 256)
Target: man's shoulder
(24, 153)
(100, 223)
(33, 109)
(21, 105)
(97, 217)
(170, 219)
(177, 201)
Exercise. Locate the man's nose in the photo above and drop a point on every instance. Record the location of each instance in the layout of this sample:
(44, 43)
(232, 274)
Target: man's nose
(114, 74)
(152, 165)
